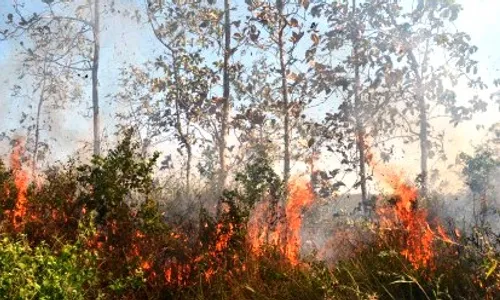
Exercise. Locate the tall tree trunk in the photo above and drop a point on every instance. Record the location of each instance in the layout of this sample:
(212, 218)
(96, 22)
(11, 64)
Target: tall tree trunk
(184, 137)
(281, 210)
(95, 81)
(423, 119)
(284, 95)
(419, 70)
(189, 150)
(41, 100)
(188, 168)
(226, 92)
(222, 176)
(424, 142)
(360, 130)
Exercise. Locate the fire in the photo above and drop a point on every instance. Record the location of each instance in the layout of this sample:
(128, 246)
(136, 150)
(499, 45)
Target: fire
(177, 273)
(286, 234)
(136, 252)
(219, 258)
(417, 238)
(223, 237)
(258, 227)
(21, 181)
(301, 196)
(213, 260)
(145, 265)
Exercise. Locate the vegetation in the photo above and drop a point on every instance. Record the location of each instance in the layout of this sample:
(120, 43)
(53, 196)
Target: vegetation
(268, 115)
(69, 245)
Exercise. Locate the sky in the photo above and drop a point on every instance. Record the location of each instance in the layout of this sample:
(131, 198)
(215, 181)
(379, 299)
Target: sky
(125, 41)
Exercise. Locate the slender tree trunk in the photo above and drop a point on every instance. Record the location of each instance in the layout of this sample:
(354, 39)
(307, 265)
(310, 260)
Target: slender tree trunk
(284, 94)
(361, 144)
(145, 146)
(95, 81)
(360, 130)
(281, 211)
(37, 130)
(222, 176)
(188, 167)
(313, 179)
(424, 142)
(423, 119)
(184, 137)
(422, 107)
(189, 150)
(226, 92)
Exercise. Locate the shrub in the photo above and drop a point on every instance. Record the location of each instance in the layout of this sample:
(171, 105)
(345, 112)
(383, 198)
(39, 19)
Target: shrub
(42, 273)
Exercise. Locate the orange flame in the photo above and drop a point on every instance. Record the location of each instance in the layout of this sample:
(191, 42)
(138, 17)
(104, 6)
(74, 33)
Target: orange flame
(21, 180)
(301, 196)
(286, 235)
(417, 238)
(214, 259)
(223, 237)
(258, 227)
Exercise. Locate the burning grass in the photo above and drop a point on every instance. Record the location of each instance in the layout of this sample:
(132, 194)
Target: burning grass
(106, 249)
(21, 183)
(284, 232)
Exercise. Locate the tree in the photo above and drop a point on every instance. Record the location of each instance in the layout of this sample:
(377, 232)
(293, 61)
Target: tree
(417, 35)
(50, 89)
(187, 80)
(138, 108)
(280, 31)
(226, 93)
(479, 171)
(95, 73)
(256, 121)
(282, 23)
(74, 42)
(397, 89)
(361, 78)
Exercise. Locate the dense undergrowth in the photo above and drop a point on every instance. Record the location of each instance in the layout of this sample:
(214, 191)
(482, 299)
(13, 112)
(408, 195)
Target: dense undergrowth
(95, 231)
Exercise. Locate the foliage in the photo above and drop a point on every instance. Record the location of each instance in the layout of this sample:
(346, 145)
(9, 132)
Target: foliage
(478, 169)
(112, 178)
(41, 273)
(258, 180)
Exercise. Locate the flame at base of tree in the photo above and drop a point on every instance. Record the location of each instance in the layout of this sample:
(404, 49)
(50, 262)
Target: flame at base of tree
(301, 197)
(282, 232)
(258, 227)
(21, 181)
(415, 237)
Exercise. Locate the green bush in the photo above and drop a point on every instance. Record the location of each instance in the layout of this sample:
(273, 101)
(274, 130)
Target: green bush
(42, 273)
(108, 180)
